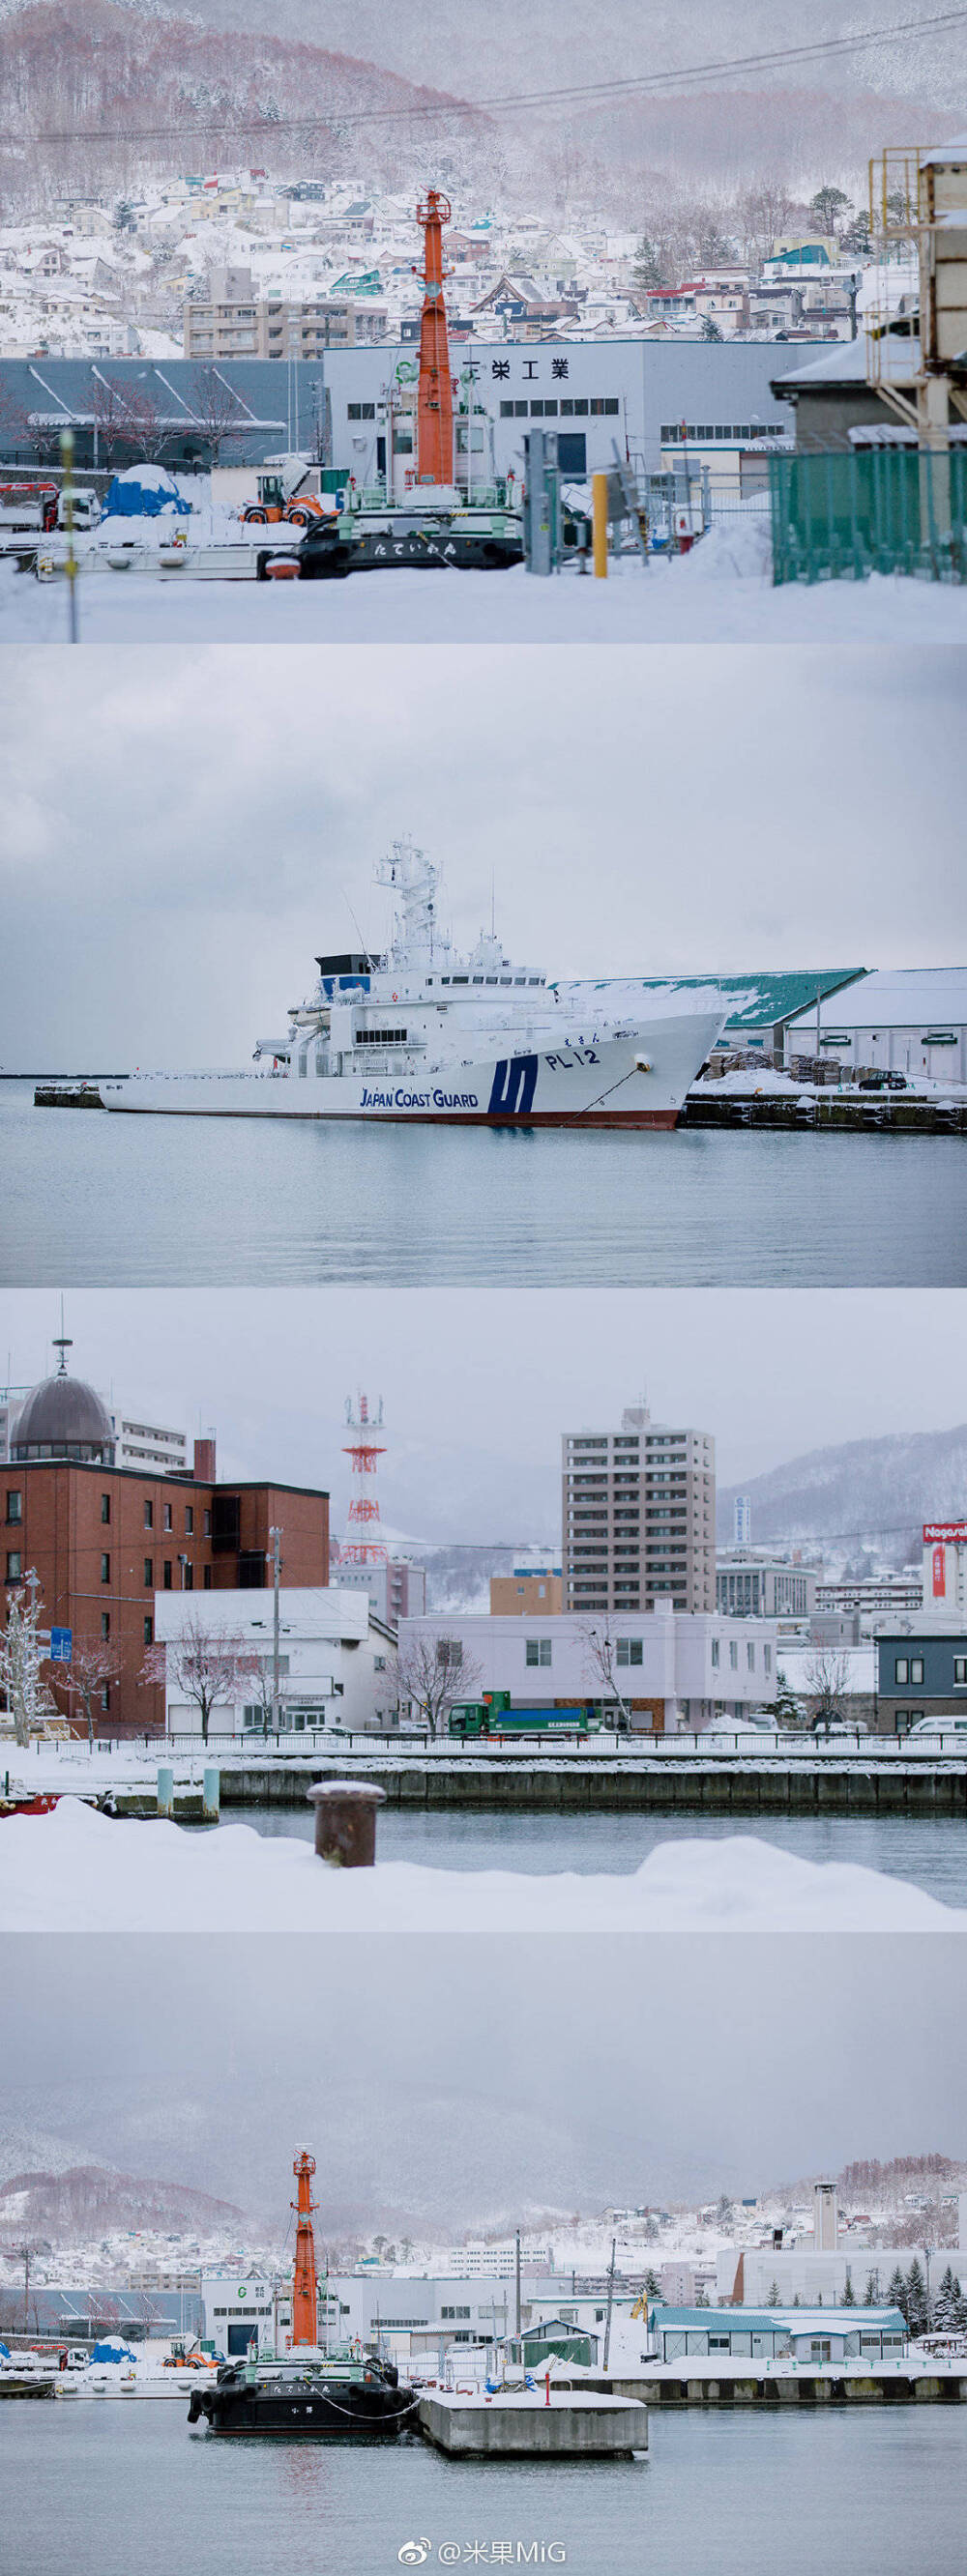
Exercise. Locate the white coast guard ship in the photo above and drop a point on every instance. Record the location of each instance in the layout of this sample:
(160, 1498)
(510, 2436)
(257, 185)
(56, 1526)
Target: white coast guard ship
(422, 1033)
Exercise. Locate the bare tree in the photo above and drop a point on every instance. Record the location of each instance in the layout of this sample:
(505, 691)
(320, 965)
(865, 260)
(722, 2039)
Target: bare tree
(221, 418)
(111, 417)
(212, 1666)
(92, 1668)
(434, 1674)
(149, 433)
(601, 1654)
(827, 1679)
(28, 1699)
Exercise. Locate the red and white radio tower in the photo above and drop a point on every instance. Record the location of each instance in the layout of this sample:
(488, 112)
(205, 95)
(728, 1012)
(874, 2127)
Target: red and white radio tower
(363, 1451)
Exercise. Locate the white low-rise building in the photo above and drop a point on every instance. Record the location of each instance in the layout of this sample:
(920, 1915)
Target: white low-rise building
(899, 1019)
(337, 1666)
(674, 1670)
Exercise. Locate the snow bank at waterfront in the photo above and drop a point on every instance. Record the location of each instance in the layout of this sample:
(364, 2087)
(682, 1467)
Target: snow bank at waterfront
(720, 594)
(75, 1870)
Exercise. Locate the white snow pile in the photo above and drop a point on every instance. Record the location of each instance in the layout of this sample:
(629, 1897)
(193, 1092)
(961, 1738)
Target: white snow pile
(75, 1870)
(738, 549)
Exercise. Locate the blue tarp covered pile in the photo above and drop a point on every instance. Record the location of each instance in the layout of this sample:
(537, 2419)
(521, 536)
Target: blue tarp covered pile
(112, 2352)
(144, 492)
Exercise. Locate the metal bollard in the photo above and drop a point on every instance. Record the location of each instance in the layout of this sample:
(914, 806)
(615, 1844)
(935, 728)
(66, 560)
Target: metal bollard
(346, 1822)
(166, 1789)
(211, 1796)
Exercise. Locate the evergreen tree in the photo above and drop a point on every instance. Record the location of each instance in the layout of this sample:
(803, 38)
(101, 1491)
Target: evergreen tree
(945, 2303)
(797, 2302)
(872, 2299)
(773, 2298)
(897, 2295)
(819, 2299)
(849, 2294)
(830, 206)
(916, 2299)
(649, 269)
(652, 2286)
(701, 2296)
(725, 2213)
(710, 328)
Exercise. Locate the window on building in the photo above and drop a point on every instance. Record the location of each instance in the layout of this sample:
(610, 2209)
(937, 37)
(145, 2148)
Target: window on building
(207, 1524)
(767, 1659)
(733, 1655)
(105, 1569)
(189, 1577)
(189, 1521)
(105, 1624)
(169, 1524)
(916, 1668)
(14, 1565)
(149, 1632)
(901, 1668)
(105, 1507)
(449, 1653)
(750, 1658)
(715, 1653)
(149, 1574)
(149, 1515)
(207, 1579)
(537, 1650)
(960, 1669)
(105, 1697)
(166, 1575)
(630, 1650)
(14, 1505)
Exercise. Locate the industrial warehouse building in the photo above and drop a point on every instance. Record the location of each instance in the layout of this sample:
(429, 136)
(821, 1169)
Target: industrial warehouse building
(816, 2335)
(591, 393)
(903, 1019)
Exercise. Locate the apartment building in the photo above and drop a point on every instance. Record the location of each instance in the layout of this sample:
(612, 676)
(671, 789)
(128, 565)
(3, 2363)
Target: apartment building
(235, 321)
(638, 1517)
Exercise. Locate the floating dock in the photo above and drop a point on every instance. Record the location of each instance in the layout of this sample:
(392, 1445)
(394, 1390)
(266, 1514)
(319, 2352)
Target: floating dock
(570, 2424)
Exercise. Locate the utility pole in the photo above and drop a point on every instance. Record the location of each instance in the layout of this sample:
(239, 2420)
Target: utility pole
(607, 2322)
(517, 2286)
(275, 1536)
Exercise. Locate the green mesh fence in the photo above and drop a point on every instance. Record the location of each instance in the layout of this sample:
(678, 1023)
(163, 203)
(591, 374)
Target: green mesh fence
(869, 509)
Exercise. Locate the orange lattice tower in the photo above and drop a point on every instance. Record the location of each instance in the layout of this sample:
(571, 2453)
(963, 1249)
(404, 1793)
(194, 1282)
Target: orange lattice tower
(363, 1451)
(305, 2313)
(434, 414)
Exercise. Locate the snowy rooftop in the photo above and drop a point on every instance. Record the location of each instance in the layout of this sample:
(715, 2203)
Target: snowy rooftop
(934, 995)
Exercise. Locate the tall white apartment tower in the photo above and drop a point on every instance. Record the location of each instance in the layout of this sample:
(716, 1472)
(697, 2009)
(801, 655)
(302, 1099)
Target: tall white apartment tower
(638, 1516)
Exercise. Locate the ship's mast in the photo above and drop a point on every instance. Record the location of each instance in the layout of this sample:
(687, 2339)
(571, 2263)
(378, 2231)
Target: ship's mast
(305, 2327)
(434, 416)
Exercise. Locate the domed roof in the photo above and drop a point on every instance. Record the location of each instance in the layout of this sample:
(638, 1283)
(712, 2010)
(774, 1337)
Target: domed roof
(65, 1416)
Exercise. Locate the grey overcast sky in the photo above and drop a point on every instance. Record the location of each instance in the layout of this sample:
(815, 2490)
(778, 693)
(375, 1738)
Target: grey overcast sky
(473, 2082)
(181, 833)
(479, 1384)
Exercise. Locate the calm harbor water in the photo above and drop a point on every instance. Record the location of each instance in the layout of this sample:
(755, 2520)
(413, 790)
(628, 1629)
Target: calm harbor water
(930, 1852)
(105, 2488)
(155, 1201)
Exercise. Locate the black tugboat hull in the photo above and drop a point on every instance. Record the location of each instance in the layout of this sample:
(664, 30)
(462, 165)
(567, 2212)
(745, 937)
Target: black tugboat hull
(345, 2413)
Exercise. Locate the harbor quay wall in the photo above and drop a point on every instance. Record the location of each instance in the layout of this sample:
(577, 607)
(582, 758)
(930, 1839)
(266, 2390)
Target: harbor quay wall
(603, 2428)
(802, 2388)
(838, 1113)
(664, 1787)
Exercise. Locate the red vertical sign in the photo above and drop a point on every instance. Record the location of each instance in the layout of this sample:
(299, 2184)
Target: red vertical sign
(939, 1582)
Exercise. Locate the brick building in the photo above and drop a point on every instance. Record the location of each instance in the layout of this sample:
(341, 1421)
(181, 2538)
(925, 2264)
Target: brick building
(103, 1539)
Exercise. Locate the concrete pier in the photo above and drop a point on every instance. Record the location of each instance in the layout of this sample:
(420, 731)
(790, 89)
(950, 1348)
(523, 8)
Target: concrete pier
(573, 2425)
(896, 2385)
(627, 1784)
(850, 1113)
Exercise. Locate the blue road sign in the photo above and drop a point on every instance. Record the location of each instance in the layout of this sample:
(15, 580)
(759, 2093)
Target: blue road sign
(61, 1645)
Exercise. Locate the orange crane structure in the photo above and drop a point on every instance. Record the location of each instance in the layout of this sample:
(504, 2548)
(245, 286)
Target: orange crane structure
(434, 411)
(305, 2311)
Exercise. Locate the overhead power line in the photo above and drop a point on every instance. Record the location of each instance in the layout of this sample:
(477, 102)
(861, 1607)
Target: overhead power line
(601, 93)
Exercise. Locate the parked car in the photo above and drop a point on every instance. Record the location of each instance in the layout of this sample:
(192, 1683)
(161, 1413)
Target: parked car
(937, 1726)
(883, 1082)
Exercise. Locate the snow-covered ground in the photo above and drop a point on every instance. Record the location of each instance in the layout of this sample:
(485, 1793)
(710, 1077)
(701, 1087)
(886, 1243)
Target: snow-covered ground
(75, 1870)
(720, 594)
